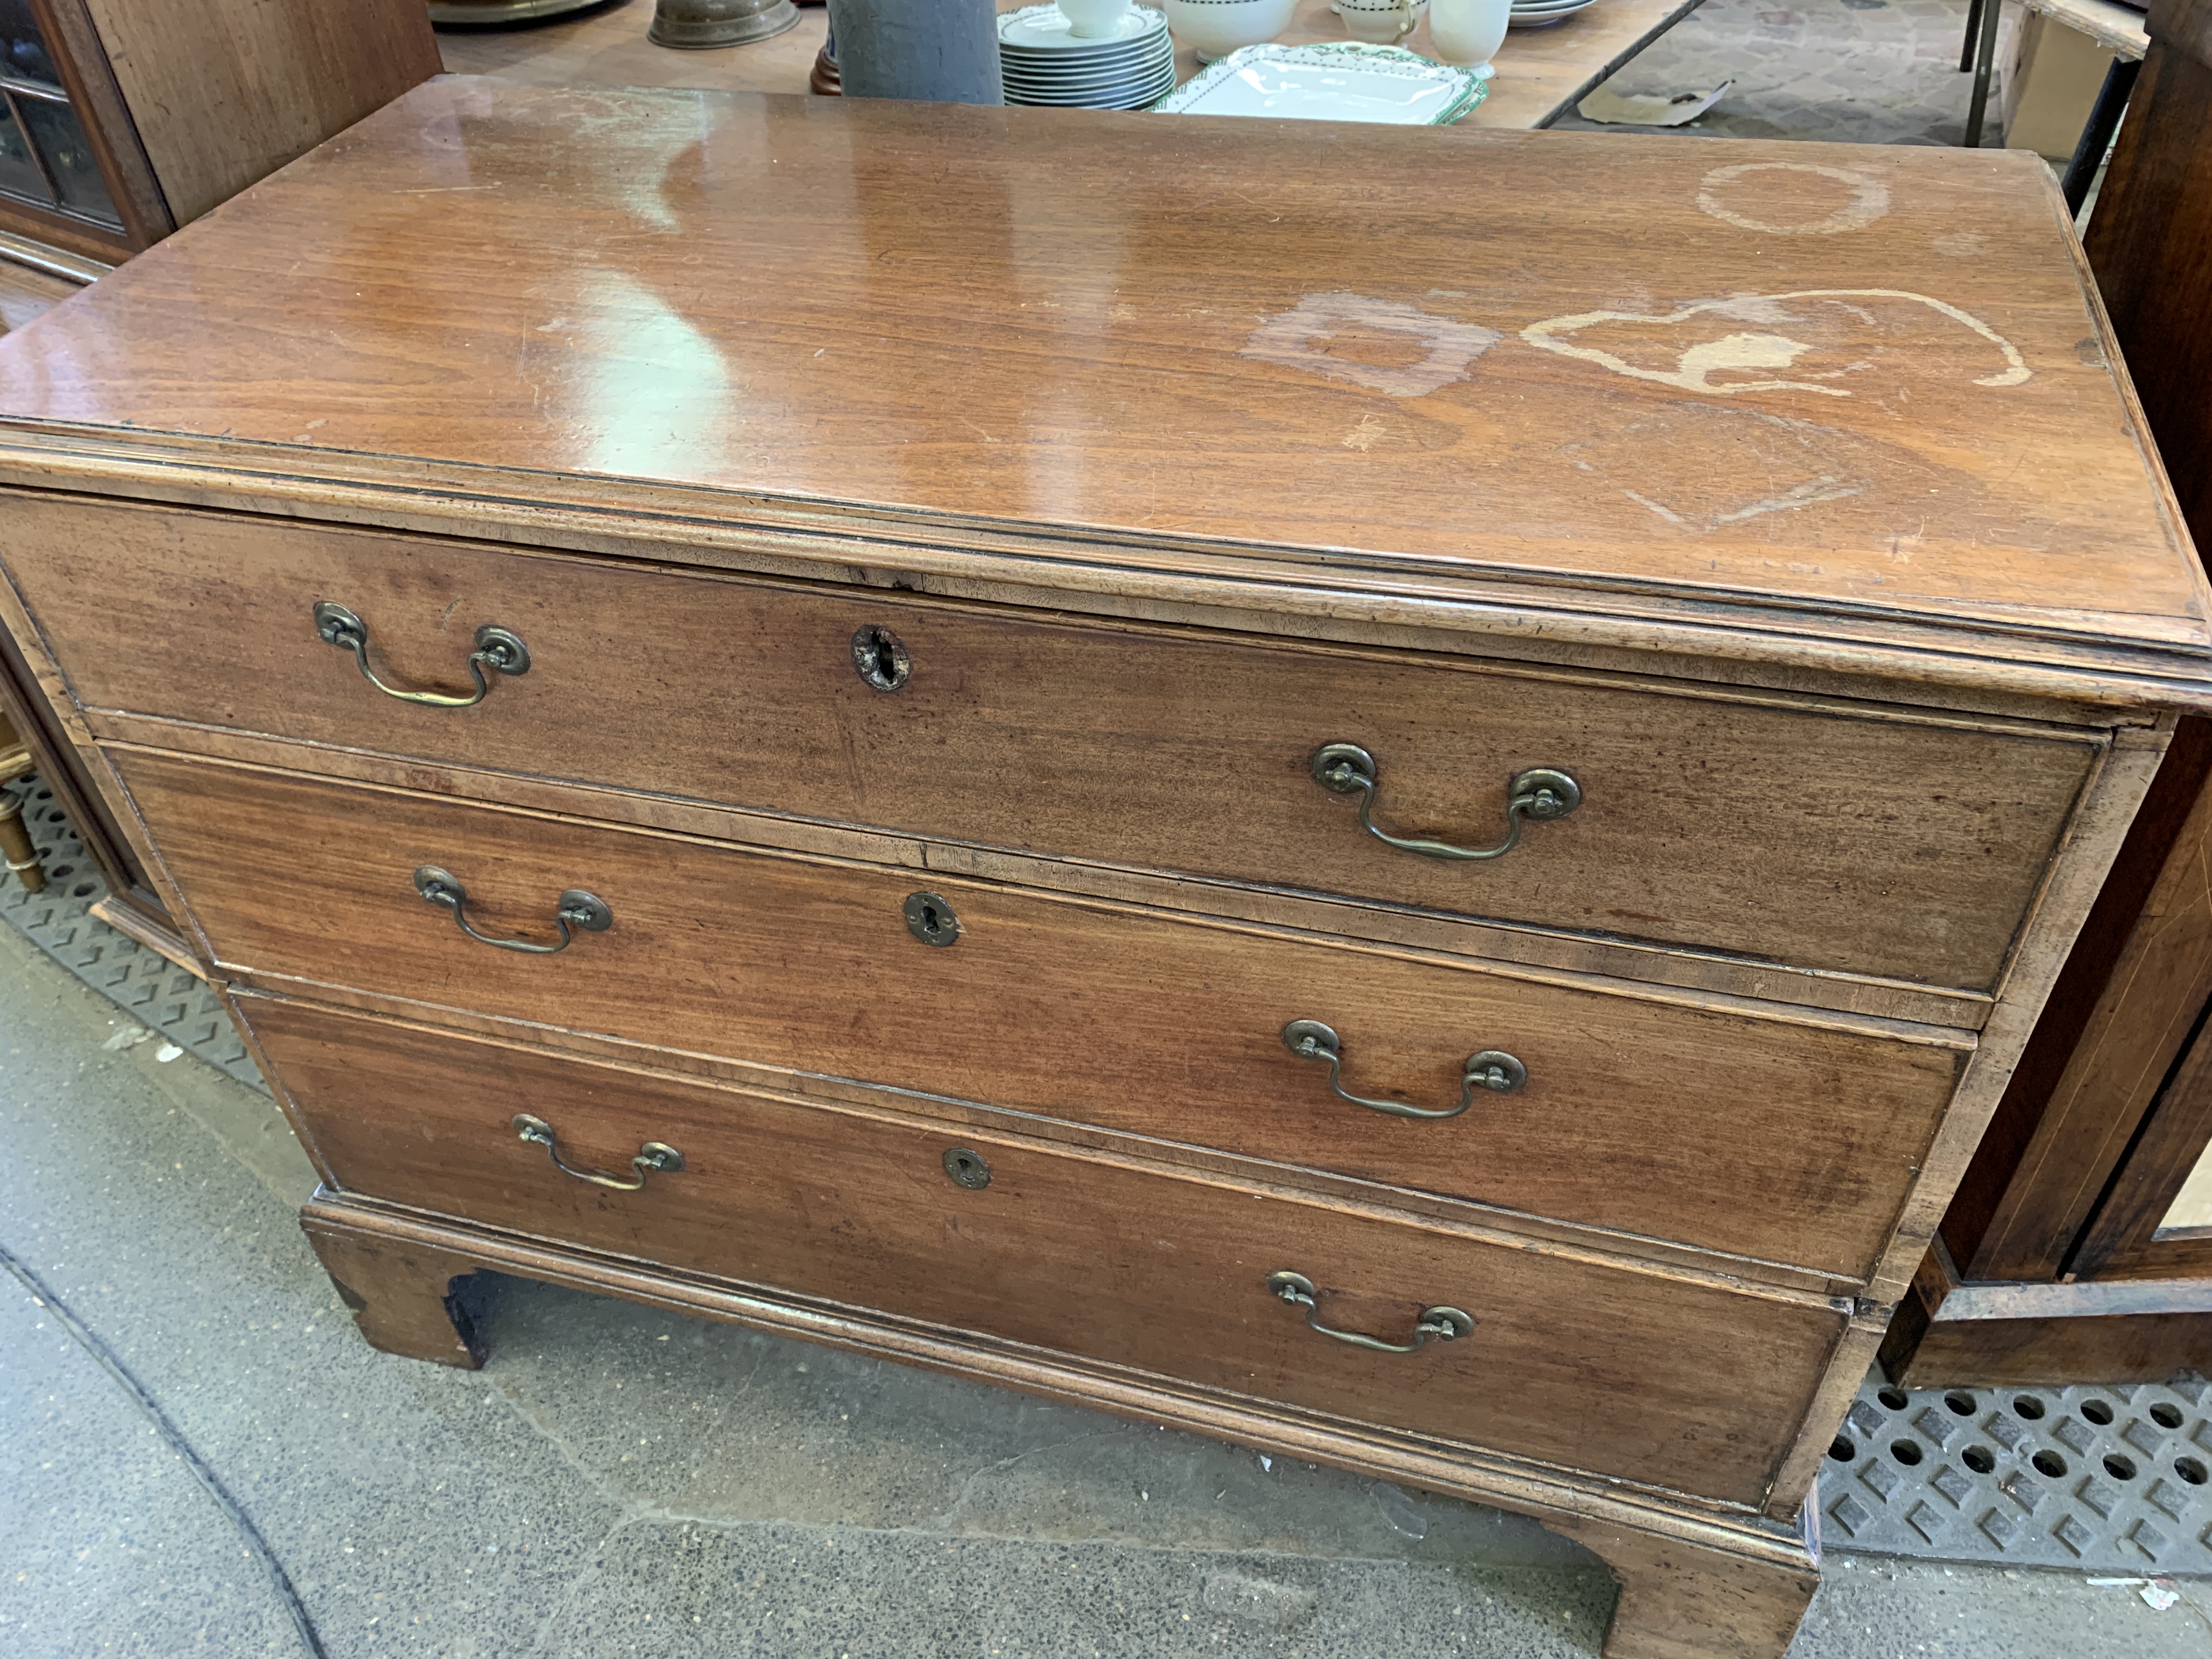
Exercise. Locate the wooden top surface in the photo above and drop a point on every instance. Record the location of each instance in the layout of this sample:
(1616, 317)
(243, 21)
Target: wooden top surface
(1541, 72)
(1584, 369)
(2118, 29)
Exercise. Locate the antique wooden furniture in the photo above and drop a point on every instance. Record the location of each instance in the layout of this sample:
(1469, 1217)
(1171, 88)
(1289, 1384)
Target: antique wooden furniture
(2056, 1262)
(130, 904)
(2063, 1257)
(1099, 754)
(120, 120)
(16, 850)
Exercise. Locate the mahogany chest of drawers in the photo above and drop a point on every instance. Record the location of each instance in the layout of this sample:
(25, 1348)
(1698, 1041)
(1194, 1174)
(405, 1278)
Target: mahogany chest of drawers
(1398, 794)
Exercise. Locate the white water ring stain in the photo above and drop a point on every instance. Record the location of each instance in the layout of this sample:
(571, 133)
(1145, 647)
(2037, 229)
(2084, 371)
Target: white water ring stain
(1300, 337)
(1695, 365)
(1869, 199)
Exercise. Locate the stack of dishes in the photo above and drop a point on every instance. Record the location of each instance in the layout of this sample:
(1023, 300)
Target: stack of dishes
(1043, 62)
(1542, 13)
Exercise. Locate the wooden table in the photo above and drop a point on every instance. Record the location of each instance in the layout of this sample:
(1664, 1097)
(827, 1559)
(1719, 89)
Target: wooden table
(1541, 73)
(2117, 28)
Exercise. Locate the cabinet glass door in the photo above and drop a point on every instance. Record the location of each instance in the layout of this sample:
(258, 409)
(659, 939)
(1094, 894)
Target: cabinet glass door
(47, 159)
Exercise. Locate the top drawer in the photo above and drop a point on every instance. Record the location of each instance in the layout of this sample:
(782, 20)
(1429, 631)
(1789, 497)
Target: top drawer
(1865, 841)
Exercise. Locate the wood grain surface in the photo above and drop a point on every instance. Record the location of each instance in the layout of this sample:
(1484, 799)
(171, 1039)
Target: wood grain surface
(2129, 1003)
(224, 92)
(1872, 841)
(2150, 243)
(25, 294)
(2049, 1334)
(1620, 1522)
(1079, 1254)
(1180, 330)
(401, 1296)
(1768, 1138)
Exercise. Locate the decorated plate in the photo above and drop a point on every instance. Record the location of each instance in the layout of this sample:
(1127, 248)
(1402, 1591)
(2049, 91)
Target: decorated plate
(1046, 29)
(1339, 81)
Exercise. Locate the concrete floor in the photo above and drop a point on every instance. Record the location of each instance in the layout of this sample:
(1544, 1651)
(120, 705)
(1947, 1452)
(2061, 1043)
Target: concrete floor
(619, 1481)
(1848, 72)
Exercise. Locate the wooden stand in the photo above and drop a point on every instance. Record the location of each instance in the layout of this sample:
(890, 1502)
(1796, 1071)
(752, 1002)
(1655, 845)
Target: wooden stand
(2052, 1266)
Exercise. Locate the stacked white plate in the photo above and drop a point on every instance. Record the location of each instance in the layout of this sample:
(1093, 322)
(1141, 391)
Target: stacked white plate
(1042, 61)
(1542, 13)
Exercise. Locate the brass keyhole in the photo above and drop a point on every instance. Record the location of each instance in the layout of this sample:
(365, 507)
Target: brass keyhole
(930, 918)
(966, 1169)
(881, 658)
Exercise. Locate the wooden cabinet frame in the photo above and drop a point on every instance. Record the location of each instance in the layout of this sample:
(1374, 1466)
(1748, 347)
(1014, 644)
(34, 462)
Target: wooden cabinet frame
(89, 81)
(2049, 1267)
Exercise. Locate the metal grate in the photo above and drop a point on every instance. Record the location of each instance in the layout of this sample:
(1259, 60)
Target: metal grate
(143, 983)
(2114, 1476)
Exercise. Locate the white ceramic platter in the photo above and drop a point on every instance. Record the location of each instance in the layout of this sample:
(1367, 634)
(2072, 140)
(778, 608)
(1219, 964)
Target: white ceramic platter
(1341, 80)
(1045, 29)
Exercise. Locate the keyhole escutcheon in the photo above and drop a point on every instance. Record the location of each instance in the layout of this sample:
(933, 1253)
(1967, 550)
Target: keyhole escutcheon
(968, 1169)
(931, 920)
(881, 658)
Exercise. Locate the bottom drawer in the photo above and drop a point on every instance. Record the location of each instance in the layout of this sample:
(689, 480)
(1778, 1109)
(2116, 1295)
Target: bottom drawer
(1656, 1379)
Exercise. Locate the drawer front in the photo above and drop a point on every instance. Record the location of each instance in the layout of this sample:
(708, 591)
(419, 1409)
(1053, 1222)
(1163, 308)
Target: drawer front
(1569, 1361)
(1886, 847)
(1785, 1141)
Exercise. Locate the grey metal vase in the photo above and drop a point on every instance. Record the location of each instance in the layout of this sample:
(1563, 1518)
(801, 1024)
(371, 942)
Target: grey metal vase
(943, 51)
(696, 23)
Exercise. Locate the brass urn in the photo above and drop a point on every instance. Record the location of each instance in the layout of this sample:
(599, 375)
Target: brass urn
(696, 23)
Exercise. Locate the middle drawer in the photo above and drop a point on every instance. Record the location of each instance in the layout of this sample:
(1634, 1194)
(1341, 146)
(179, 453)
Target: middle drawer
(1785, 1141)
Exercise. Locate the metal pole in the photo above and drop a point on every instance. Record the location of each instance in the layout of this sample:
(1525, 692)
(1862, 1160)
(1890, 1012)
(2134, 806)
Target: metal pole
(2097, 134)
(1984, 61)
(1974, 34)
(942, 51)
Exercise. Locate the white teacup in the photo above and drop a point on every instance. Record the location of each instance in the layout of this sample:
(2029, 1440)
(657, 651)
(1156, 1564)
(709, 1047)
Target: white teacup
(1093, 20)
(1468, 31)
(1379, 22)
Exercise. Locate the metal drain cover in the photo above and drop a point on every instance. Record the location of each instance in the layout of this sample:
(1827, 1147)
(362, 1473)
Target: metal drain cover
(143, 983)
(2114, 1476)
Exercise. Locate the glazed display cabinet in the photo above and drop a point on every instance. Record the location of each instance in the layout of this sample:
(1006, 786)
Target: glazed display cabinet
(122, 119)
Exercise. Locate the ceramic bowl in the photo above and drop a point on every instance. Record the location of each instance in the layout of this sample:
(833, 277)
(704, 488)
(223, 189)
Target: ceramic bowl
(1379, 22)
(1214, 29)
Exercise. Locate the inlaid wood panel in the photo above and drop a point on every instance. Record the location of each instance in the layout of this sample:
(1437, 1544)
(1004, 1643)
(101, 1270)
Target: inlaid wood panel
(1773, 1139)
(1085, 1256)
(1740, 824)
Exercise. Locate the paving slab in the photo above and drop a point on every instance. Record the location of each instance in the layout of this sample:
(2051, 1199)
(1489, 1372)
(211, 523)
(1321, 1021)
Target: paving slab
(1845, 71)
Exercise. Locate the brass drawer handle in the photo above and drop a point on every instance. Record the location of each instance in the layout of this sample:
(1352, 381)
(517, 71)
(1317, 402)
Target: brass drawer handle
(577, 908)
(1492, 1069)
(1541, 794)
(497, 649)
(1444, 1324)
(654, 1155)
